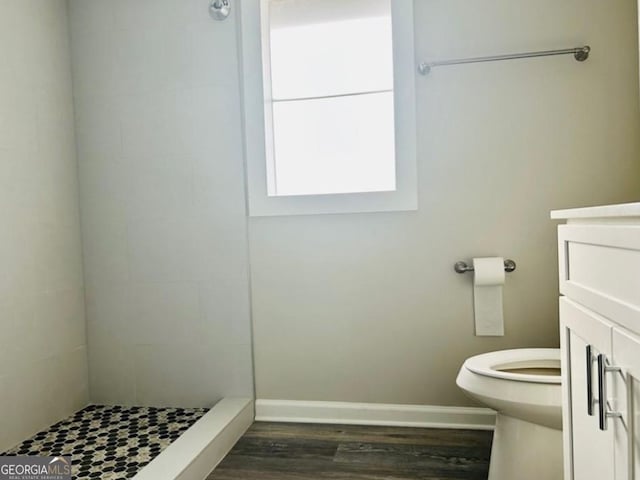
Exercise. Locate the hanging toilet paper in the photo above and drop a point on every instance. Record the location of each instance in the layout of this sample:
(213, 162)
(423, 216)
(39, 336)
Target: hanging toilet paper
(487, 295)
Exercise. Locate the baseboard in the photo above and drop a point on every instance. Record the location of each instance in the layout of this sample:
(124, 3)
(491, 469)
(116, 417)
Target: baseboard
(423, 416)
(203, 446)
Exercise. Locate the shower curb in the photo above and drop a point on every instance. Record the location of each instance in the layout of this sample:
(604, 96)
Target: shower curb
(202, 447)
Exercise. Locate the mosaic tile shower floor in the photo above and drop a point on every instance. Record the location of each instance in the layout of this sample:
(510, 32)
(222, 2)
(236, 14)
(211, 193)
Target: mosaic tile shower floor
(111, 442)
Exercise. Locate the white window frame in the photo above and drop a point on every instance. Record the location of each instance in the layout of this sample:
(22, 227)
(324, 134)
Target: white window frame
(405, 197)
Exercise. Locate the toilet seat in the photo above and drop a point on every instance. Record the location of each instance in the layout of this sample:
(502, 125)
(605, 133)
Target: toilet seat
(528, 408)
(497, 364)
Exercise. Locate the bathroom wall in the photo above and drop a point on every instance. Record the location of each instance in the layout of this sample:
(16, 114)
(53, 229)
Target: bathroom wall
(366, 307)
(43, 360)
(162, 196)
(361, 307)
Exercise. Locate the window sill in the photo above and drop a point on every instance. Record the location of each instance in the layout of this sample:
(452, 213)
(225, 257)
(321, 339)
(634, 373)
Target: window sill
(264, 206)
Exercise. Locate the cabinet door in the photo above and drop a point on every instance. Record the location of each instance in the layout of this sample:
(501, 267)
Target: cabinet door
(624, 399)
(588, 451)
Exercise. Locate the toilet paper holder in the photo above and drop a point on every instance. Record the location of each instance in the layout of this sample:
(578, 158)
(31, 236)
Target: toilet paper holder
(463, 267)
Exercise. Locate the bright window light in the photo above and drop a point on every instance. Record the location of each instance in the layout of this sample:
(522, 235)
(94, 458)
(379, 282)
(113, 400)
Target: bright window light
(335, 145)
(333, 58)
(329, 98)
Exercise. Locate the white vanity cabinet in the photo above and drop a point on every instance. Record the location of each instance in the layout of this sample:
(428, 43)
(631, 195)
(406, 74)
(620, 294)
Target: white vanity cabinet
(584, 337)
(599, 264)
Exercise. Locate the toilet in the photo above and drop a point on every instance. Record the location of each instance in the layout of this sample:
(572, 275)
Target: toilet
(523, 387)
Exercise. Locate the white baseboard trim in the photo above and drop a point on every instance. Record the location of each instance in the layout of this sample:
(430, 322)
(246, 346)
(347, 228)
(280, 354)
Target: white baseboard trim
(200, 449)
(347, 413)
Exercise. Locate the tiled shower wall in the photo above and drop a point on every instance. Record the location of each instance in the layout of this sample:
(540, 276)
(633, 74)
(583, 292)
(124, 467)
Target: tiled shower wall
(162, 200)
(43, 359)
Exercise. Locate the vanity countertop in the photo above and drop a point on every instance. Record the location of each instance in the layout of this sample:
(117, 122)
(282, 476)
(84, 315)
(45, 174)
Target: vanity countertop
(624, 210)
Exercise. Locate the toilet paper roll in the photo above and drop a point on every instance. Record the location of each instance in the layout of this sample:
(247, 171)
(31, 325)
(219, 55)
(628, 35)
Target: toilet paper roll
(487, 296)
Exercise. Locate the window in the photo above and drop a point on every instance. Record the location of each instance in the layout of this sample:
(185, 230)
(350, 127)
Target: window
(329, 105)
(331, 98)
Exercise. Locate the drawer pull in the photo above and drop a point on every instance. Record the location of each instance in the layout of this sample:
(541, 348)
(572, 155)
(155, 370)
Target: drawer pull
(603, 414)
(589, 380)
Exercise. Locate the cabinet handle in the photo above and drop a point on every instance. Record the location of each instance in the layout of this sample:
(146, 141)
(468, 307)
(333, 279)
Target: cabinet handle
(589, 380)
(603, 414)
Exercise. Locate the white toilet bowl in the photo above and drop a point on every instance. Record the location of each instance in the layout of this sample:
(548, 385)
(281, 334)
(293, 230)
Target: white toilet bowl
(523, 386)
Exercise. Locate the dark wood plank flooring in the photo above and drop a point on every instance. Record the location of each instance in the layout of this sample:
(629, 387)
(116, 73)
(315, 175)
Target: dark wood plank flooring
(288, 451)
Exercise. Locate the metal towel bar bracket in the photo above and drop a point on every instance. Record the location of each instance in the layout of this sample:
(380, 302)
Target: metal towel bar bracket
(579, 53)
(462, 267)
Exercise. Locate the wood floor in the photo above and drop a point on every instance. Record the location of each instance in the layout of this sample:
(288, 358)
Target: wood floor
(286, 451)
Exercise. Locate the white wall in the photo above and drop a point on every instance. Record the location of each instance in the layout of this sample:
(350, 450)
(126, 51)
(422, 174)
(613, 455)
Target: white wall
(345, 307)
(163, 208)
(367, 307)
(43, 364)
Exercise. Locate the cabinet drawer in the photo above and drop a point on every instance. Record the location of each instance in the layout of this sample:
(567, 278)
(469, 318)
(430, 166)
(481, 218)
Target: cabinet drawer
(600, 268)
